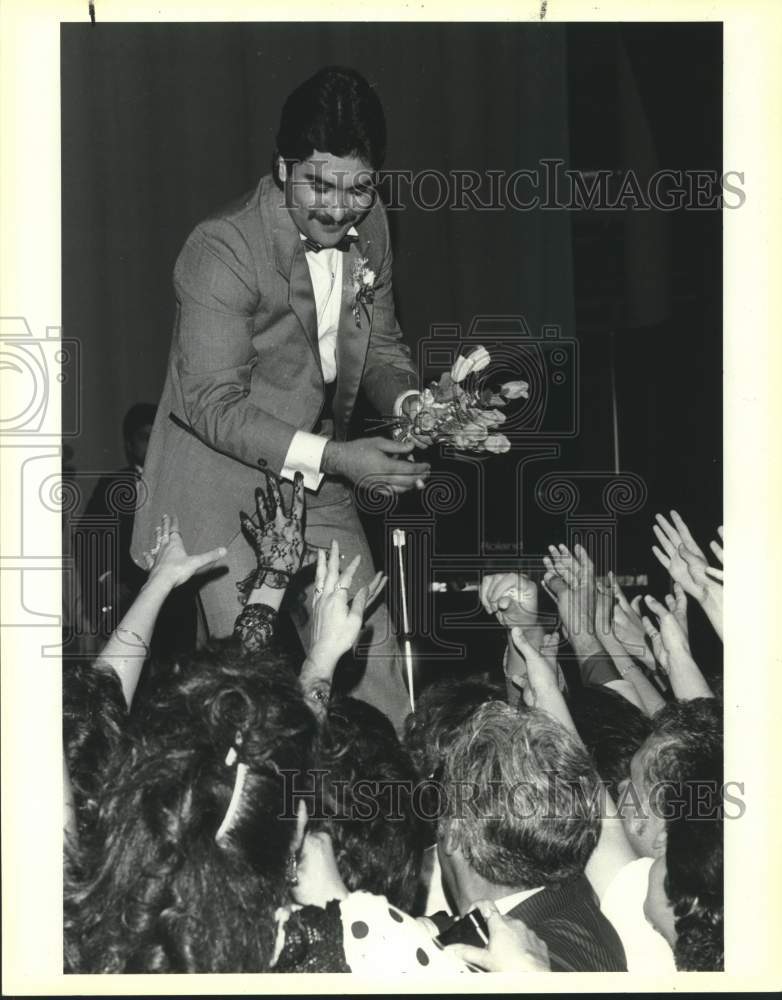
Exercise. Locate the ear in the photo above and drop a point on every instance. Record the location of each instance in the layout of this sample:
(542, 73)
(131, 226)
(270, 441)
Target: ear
(301, 826)
(660, 840)
(282, 170)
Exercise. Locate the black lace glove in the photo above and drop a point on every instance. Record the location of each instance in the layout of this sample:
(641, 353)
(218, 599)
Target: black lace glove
(277, 538)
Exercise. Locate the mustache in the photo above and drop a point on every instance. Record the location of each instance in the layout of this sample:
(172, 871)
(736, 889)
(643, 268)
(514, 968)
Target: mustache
(326, 220)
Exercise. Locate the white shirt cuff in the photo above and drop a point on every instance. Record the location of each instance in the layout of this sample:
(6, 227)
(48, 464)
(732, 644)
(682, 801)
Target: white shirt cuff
(304, 455)
(401, 398)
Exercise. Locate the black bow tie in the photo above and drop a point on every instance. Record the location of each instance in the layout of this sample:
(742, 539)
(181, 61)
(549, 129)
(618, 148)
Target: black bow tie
(344, 244)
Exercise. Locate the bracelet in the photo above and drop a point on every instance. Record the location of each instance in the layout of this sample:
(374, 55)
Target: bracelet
(255, 626)
(135, 635)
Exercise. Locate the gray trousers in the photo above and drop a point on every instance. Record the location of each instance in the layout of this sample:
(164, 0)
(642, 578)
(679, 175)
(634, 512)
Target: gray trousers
(331, 514)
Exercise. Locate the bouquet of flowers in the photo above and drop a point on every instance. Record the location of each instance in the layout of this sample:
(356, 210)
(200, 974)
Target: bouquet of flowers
(455, 410)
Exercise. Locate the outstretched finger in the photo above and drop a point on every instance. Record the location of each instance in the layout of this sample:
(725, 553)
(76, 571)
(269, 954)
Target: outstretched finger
(332, 569)
(262, 506)
(684, 531)
(297, 505)
(320, 572)
(584, 560)
(248, 528)
(346, 577)
(661, 557)
(148, 560)
(716, 548)
(277, 509)
(668, 530)
(197, 564)
(714, 573)
(359, 604)
(663, 538)
(375, 586)
(655, 606)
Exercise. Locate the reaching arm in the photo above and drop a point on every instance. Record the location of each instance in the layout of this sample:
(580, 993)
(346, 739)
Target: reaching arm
(169, 567)
(681, 555)
(335, 624)
(672, 650)
(613, 850)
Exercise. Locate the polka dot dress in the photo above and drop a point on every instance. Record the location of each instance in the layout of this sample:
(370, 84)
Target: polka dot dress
(377, 936)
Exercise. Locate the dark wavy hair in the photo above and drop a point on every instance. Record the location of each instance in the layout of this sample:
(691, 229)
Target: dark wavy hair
(159, 894)
(543, 837)
(335, 111)
(612, 730)
(378, 838)
(695, 889)
(94, 717)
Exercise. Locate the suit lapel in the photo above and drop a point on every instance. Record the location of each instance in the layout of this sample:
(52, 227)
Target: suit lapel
(287, 253)
(352, 342)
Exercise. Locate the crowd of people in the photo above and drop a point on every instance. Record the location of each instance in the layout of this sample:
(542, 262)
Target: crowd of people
(234, 811)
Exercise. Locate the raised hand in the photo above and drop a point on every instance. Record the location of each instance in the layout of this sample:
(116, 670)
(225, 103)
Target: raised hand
(669, 642)
(277, 538)
(570, 581)
(511, 597)
(672, 651)
(540, 676)
(628, 626)
(336, 623)
(168, 563)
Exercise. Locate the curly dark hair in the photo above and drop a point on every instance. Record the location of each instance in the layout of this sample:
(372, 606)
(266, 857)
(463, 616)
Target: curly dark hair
(378, 838)
(94, 717)
(335, 111)
(158, 893)
(694, 886)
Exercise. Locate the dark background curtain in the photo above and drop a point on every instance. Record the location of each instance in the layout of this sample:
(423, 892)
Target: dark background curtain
(162, 124)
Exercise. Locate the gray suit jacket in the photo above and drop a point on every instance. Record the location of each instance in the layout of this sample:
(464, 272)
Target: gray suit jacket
(244, 371)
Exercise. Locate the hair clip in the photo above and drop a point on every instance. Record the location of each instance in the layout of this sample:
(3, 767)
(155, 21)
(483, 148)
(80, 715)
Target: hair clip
(233, 805)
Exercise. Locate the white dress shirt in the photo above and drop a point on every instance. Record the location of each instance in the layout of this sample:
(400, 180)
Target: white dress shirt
(306, 450)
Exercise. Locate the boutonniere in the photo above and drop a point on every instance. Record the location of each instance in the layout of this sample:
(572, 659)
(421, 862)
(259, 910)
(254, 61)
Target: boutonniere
(363, 287)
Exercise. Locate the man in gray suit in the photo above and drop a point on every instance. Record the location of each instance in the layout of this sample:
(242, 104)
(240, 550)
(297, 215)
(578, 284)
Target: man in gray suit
(284, 309)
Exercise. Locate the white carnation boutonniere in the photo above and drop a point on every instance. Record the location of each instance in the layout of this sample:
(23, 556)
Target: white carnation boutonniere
(363, 278)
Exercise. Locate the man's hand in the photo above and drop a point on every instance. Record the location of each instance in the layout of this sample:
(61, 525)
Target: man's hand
(512, 947)
(377, 459)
